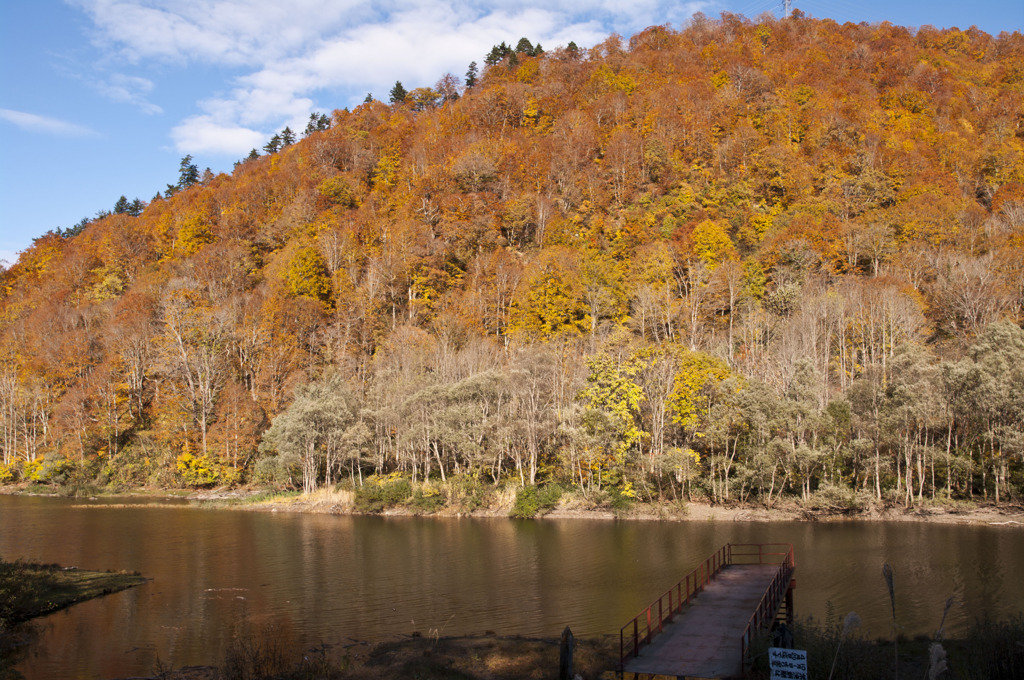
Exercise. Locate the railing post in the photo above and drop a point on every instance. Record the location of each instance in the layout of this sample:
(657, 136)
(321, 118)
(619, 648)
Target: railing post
(636, 638)
(788, 601)
(660, 616)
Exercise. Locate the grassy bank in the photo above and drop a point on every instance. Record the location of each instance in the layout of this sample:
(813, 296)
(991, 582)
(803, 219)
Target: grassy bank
(31, 590)
(989, 651)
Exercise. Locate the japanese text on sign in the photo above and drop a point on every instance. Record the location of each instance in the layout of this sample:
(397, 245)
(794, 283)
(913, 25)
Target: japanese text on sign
(788, 664)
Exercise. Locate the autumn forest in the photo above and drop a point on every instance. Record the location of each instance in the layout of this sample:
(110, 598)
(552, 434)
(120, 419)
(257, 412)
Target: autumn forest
(743, 261)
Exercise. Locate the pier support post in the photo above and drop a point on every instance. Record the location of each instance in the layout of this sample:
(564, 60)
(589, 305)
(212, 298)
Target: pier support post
(565, 657)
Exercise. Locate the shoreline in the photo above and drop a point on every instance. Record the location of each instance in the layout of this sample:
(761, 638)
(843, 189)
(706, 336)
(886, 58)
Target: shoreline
(338, 503)
(331, 502)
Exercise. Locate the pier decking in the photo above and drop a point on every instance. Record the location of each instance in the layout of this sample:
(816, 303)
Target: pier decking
(703, 626)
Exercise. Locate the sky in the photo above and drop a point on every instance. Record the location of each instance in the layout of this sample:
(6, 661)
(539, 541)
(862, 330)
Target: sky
(103, 98)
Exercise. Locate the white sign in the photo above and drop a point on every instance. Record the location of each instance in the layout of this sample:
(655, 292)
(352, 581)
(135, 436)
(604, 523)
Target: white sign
(788, 664)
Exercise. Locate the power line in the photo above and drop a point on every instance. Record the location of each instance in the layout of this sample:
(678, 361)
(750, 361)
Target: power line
(751, 10)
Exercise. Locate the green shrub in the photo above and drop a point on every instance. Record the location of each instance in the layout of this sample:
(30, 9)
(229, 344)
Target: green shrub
(397, 491)
(427, 499)
(549, 495)
(129, 469)
(619, 501)
(533, 500)
(526, 505)
(836, 498)
(57, 470)
(77, 489)
(280, 471)
(466, 492)
(379, 493)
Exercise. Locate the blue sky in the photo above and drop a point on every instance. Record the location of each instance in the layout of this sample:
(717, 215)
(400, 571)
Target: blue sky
(100, 98)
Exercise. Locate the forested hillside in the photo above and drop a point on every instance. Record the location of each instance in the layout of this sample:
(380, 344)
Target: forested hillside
(740, 260)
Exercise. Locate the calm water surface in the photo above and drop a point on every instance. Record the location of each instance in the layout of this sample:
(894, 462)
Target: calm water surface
(340, 579)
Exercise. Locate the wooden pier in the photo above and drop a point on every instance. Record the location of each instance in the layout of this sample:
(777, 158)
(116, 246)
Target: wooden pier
(703, 626)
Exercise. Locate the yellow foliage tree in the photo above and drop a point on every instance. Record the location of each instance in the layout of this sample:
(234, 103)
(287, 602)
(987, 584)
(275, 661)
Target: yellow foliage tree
(386, 172)
(551, 301)
(711, 243)
(193, 234)
(694, 389)
(307, 276)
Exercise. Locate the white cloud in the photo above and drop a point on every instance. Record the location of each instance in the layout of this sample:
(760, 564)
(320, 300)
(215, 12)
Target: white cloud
(206, 134)
(291, 52)
(130, 90)
(44, 124)
(234, 32)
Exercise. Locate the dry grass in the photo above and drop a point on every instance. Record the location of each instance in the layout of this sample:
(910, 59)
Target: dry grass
(485, 657)
(31, 590)
(474, 657)
(323, 501)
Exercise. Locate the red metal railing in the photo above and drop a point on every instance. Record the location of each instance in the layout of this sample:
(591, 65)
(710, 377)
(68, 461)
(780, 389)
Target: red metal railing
(651, 621)
(773, 596)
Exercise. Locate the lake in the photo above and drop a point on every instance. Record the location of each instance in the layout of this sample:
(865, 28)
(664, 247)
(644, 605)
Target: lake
(338, 579)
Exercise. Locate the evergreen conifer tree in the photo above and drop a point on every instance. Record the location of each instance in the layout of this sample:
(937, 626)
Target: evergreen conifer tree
(318, 122)
(497, 53)
(493, 57)
(471, 74)
(188, 173)
(398, 93)
(311, 126)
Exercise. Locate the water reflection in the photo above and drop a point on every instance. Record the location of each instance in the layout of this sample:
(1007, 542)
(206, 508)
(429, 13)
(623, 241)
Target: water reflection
(338, 579)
